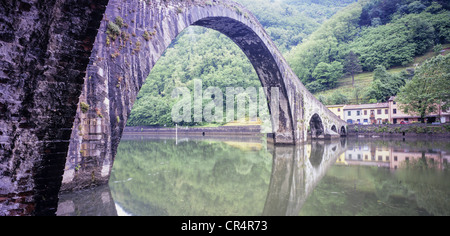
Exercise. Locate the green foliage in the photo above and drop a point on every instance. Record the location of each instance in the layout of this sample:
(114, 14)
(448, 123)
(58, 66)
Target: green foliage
(322, 46)
(385, 84)
(290, 22)
(119, 22)
(429, 88)
(337, 98)
(84, 107)
(113, 30)
(381, 32)
(198, 53)
(352, 65)
(325, 76)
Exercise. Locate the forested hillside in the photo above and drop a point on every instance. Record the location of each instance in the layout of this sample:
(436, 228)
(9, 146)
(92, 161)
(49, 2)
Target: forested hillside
(323, 40)
(384, 33)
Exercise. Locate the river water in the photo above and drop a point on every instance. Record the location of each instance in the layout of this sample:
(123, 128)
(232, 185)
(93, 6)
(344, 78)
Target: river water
(250, 177)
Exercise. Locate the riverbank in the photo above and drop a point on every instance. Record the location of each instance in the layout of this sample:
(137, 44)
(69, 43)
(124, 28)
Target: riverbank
(201, 131)
(400, 130)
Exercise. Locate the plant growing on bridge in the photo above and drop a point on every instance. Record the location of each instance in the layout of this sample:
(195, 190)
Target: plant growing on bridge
(84, 107)
(146, 36)
(113, 30)
(99, 112)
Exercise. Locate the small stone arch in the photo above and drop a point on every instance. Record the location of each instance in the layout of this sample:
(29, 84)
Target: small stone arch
(316, 126)
(334, 128)
(343, 131)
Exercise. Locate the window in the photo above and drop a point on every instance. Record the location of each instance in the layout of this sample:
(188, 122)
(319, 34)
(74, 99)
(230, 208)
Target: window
(358, 113)
(395, 158)
(339, 109)
(380, 158)
(386, 111)
(395, 102)
(379, 111)
(394, 111)
(365, 112)
(366, 157)
(387, 158)
(349, 113)
(372, 112)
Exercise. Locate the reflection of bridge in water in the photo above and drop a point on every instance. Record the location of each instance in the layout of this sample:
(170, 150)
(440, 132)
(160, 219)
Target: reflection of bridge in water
(296, 171)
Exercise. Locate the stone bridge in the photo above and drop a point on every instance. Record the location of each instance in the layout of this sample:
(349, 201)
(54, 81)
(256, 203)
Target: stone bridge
(70, 76)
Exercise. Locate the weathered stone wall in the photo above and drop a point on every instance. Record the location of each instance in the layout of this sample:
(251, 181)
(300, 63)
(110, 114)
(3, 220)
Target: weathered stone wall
(44, 50)
(399, 130)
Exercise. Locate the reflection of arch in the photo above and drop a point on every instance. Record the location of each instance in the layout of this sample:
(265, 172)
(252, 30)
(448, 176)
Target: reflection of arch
(316, 126)
(293, 179)
(334, 128)
(343, 131)
(317, 151)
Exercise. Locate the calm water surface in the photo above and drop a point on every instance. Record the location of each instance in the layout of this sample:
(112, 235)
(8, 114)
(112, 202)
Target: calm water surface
(223, 177)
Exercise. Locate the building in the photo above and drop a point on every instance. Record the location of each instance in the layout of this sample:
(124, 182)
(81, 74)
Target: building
(397, 116)
(379, 113)
(338, 110)
(367, 114)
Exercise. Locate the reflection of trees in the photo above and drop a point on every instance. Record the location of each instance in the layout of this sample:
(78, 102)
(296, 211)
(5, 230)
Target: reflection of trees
(363, 190)
(187, 179)
(431, 189)
(193, 178)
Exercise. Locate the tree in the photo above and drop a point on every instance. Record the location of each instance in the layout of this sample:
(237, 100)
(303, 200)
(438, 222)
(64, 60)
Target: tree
(326, 75)
(358, 94)
(385, 85)
(429, 90)
(337, 98)
(352, 66)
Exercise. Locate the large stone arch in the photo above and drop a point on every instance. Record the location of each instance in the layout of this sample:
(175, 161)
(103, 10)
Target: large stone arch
(45, 48)
(119, 68)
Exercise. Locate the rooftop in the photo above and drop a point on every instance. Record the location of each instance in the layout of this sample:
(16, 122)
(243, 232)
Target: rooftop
(366, 106)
